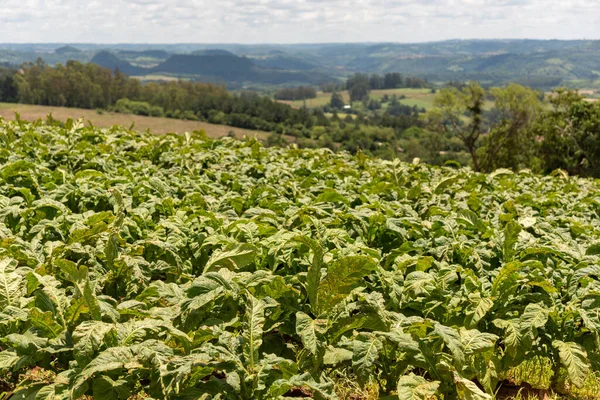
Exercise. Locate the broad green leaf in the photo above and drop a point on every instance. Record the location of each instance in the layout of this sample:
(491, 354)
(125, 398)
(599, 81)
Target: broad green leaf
(419, 283)
(254, 321)
(79, 276)
(480, 307)
(343, 276)
(443, 185)
(336, 355)
(104, 388)
(113, 358)
(453, 341)
(366, 348)
(88, 338)
(471, 220)
(506, 279)
(8, 359)
(534, 317)
(111, 250)
(414, 387)
(321, 390)
(11, 284)
(45, 323)
(313, 277)
(474, 341)
(468, 390)
(573, 358)
(511, 235)
(309, 331)
(233, 258)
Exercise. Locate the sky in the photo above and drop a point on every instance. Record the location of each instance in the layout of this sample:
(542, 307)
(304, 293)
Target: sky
(293, 21)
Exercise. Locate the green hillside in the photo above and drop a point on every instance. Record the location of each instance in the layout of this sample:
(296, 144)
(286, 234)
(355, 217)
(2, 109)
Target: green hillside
(542, 64)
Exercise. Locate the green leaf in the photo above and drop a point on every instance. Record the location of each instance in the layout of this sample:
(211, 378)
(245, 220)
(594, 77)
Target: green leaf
(414, 387)
(313, 277)
(104, 388)
(8, 359)
(343, 276)
(45, 323)
(320, 390)
(511, 236)
(80, 278)
(111, 250)
(439, 189)
(452, 339)
(534, 317)
(91, 300)
(468, 390)
(506, 279)
(366, 348)
(88, 338)
(419, 283)
(331, 196)
(593, 250)
(474, 341)
(254, 322)
(335, 355)
(11, 284)
(233, 258)
(113, 358)
(471, 220)
(573, 358)
(309, 331)
(478, 310)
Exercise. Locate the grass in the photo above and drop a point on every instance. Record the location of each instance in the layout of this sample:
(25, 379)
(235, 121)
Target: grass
(418, 97)
(165, 78)
(140, 123)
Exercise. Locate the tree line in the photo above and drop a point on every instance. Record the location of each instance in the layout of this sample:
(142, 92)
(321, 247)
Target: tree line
(515, 127)
(509, 127)
(297, 93)
(391, 80)
(92, 87)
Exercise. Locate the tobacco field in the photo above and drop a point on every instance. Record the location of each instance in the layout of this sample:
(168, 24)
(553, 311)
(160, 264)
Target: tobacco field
(177, 267)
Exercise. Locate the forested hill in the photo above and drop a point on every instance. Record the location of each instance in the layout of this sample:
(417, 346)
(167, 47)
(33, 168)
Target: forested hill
(543, 64)
(214, 66)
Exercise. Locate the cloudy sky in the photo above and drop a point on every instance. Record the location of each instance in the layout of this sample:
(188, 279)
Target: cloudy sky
(294, 21)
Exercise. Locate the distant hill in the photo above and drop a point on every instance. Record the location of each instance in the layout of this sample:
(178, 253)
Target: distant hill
(227, 67)
(213, 66)
(158, 54)
(541, 63)
(285, 62)
(67, 50)
(213, 52)
(109, 60)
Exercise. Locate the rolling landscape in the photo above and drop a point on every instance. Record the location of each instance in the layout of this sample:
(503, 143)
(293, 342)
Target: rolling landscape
(539, 63)
(278, 200)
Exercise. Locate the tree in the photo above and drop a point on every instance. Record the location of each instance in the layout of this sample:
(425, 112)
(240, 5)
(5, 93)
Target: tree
(568, 134)
(337, 101)
(376, 82)
(393, 80)
(460, 113)
(359, 87)
(499, 138)
(510, 143)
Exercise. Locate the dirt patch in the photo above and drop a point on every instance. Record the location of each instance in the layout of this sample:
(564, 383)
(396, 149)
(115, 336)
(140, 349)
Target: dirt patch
(139, 123)
(508, 391)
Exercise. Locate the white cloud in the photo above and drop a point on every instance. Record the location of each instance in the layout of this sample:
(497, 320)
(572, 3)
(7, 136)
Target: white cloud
(293, 21)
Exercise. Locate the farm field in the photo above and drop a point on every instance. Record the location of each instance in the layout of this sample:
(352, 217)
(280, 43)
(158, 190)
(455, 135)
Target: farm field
(135, 265)
(165, 78)
(418, 97)
(142, 123)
